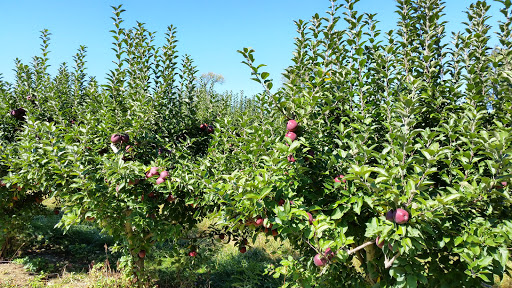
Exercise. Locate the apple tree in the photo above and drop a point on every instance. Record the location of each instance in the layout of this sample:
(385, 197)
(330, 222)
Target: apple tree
(125, 155)
(384, 159)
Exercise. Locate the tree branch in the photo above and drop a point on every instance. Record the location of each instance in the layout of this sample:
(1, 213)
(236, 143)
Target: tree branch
(388, 263)
(352, 251)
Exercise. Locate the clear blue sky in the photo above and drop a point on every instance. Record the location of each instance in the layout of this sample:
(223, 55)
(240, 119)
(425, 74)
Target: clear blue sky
(210, 31)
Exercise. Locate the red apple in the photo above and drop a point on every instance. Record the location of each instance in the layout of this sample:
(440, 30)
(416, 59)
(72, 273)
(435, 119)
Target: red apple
(281, 202)
(291, 158)
(379, 243)
(504, 184)
(310, 218)
(329, 253)
(142, 253)
(133, 182)
(222, 236)
(291, 125)
(319, 260)
(129, 148)
(192, 253)
(259, 221)
(115, 138)
(340, 179)
(210, 129)
(274, 232)
(18, 113)
(125, 138)
(164, 174)
(291, 135)
(170, 198)
(243, 249)
(56, 211)
(159, 181)
(89, 218)
(152, 172)
(401, 216)
(390, 215)
(151, 195)
(203, 126)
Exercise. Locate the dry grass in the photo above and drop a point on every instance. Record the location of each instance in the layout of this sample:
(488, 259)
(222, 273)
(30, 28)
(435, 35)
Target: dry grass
(15, 276)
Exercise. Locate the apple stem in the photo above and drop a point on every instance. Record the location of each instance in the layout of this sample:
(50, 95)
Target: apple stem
(352, 251)
(388, 263)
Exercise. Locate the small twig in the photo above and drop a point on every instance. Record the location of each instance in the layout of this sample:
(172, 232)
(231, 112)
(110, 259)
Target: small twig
(388, 263)
(17, 251)
(307, 241)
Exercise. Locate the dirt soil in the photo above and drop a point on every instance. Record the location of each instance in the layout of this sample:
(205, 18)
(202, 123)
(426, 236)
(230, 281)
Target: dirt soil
(14, 275)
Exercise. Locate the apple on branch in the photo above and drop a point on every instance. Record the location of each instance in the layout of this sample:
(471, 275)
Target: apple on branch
(291, 125)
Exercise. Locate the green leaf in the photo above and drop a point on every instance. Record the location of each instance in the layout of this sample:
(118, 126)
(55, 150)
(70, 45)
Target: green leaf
(412, 281)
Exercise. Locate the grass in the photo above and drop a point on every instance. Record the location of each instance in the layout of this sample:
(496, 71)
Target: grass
(79, 259)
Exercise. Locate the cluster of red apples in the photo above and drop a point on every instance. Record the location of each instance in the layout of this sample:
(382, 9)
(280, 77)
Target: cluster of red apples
(207, 128)
(291, 127)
